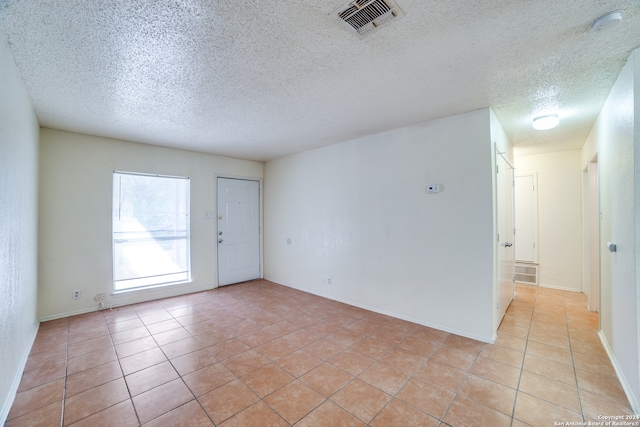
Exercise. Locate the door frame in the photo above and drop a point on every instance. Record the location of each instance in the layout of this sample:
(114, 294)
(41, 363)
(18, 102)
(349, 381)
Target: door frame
(260, 219)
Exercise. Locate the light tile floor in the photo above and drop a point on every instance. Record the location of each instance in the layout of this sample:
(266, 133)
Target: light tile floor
(261, 354)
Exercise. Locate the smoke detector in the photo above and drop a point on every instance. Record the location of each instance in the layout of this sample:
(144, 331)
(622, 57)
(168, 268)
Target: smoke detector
(364, 17)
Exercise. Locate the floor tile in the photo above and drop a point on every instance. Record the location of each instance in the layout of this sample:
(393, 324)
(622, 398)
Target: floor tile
(162, 399)
(404, 360)
(54, 354)
(294, 401)
(465, 344)
(136, 346)
(361, 399)
(151, 377)
(329, 415)
(36, 398)
(190, 414)
(375, 349)
(385, 377)
(298, 363)
(497, 372)
(605, 385)
(227, 400)
(193, 361)
(121, 414)
(48, 372)
(93, 377)
(594, 405)
(328, 365)
(90, 360)
(228, 348)
(420, 346)
(442, 375)
(550, 390)
(399, 414)
(503, 355)
(326, 379)
(142, 360)
(258, 414)
(246, 362)
(427, 397)
(537, 412)
(267, 379)
(488, 393)
(94, 400)
(550, 369)
(49, 415)
(352, 362)
(181, 347)
(277, 348)
(550, 352)
(466, 412)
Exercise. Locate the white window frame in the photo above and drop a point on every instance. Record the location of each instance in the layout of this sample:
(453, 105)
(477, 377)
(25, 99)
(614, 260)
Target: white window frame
(151, 281)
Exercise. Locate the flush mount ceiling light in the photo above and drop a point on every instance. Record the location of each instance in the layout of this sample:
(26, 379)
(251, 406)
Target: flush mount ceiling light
(607, 21)
(546, 122)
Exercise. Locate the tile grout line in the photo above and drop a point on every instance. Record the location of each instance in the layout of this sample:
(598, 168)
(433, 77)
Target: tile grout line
(573, 362)
(66, 367)
(526, 344)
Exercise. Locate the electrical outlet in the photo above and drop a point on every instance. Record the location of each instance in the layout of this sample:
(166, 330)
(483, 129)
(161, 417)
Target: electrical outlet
(329, 281)
(76, 294)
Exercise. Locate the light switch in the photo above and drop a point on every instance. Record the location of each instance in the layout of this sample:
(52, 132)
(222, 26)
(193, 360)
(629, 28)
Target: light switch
(433, 188)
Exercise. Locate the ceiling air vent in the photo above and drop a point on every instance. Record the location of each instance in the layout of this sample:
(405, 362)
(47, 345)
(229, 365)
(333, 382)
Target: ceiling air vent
(366, 16)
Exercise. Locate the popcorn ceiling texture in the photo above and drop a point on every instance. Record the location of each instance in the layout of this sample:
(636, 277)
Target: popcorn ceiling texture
(259, 80)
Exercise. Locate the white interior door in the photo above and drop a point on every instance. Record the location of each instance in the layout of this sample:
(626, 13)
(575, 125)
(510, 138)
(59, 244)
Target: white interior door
(506, 253)
(238, 230)
(525, 239)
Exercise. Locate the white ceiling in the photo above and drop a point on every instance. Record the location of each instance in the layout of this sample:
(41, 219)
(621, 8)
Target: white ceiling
(261, 79)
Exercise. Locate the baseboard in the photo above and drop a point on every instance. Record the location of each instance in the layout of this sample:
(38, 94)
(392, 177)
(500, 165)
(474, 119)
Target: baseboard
(134, 297)
(454, 331)
(6, 406)
(633, 401)
(560, 288)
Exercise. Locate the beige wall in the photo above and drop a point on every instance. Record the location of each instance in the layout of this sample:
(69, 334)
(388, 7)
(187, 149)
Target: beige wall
(18, 227)
(559, 180)
(75, 215)
(358, 212)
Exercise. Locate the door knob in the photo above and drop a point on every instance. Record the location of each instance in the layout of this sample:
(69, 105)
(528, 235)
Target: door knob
(220, 241)
(508, 245)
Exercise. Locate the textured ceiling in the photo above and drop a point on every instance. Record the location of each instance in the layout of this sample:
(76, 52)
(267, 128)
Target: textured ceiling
(262, 79)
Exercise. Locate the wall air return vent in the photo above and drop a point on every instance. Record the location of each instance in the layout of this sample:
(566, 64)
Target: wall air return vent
(366, 16)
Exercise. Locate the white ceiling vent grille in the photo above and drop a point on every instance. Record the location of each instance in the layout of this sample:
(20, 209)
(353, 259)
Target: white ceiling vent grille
(366, 16)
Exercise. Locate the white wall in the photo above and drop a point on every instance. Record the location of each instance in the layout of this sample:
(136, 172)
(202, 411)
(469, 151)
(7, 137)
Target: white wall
(358, 212)
(615, 138)
(559, 216)
(75, 215)
(18, 227)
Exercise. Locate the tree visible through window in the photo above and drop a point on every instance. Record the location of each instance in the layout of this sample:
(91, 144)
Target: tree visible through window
(150, 230)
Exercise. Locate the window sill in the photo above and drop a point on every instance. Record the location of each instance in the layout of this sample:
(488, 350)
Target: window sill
(150, 287)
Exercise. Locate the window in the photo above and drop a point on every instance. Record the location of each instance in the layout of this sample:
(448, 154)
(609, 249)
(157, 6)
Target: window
(150, 230)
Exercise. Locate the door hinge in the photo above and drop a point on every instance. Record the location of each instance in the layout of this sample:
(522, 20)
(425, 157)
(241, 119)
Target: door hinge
(497, 169)
(498, 237)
